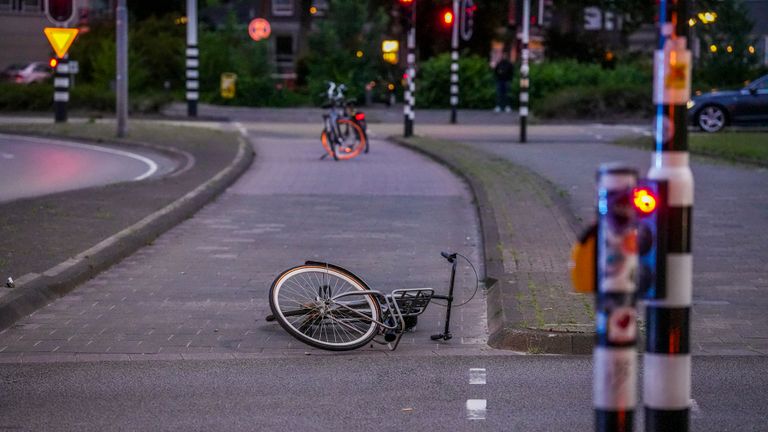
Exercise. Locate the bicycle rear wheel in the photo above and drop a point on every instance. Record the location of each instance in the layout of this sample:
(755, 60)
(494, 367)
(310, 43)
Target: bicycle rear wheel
(351, 140)
(306, 301)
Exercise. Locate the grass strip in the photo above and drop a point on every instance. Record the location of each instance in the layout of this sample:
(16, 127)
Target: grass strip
(731, 146)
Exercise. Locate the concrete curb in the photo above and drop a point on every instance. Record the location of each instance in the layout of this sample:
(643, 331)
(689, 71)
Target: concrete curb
(34, 291)
(504, 333)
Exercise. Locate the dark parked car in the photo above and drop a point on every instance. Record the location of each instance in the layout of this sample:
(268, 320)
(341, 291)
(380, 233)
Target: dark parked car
(713, 111)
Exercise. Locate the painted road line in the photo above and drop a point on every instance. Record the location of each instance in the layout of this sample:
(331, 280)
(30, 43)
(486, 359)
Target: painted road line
(7, 156)
(151, 165)
(477, 376)
(476, 409)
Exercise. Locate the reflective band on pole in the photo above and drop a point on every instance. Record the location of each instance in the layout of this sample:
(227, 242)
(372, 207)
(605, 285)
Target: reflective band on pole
(61, 96)
(192, 95)
(61, 83)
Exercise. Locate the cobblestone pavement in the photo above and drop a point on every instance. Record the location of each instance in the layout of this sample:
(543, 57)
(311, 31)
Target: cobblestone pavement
(730, 225)
(200, 291)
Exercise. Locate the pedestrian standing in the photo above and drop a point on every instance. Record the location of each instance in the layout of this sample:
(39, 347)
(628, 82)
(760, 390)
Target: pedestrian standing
(503, 72)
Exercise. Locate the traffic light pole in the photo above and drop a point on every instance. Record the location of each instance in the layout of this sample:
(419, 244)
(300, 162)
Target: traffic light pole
(121, 100)
(615, 353)
(667, 360)
(524, 82)
(455, 62)
(193, 63)
(410, 90)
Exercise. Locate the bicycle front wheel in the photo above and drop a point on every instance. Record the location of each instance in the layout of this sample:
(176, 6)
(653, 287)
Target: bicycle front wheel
(351, 140)
(325, 307)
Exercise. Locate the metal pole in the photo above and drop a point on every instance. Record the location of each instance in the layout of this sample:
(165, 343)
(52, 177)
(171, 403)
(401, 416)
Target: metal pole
(615, 353)
(121, 84)
(667, 360)
(410, 91)
(455, 62)
(61, 90)
(193, 63)
(524, 83)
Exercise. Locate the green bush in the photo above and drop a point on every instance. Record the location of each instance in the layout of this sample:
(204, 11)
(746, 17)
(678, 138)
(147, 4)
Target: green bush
(476, 90)
(33, 97)
(603, 101)
(561, 80)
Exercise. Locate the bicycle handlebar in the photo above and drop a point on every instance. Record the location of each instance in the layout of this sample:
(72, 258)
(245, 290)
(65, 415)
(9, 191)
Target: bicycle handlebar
(448, 256)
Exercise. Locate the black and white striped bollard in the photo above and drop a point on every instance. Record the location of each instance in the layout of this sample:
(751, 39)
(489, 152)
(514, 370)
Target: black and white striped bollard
(193, 62)
(455, 62)
(667, 359)
(524, 81)
(410, 90)
(615, 353)
(61, 83)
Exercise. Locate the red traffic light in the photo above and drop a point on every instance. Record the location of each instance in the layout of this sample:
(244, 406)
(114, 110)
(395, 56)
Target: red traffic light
(447, 18)
(60, 11)
(53, 63)
(644, 200)
(406, 2)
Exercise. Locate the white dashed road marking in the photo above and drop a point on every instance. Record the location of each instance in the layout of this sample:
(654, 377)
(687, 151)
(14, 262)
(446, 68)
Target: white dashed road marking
(476, 407)
(477, 376)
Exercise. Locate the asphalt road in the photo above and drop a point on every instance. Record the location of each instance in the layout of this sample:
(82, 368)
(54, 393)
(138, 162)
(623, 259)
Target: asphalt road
(352, 392)
(32, 167)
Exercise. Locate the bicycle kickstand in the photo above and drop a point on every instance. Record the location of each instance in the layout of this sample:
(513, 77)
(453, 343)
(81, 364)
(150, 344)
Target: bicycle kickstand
(446, 334)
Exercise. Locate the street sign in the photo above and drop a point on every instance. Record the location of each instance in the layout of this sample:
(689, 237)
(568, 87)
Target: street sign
(60, 39)
(389, 50)
(259, 29)
(228, 85)
(74, 67)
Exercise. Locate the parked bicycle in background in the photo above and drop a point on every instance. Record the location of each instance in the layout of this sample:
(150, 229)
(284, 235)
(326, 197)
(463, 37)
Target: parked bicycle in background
(344, 132)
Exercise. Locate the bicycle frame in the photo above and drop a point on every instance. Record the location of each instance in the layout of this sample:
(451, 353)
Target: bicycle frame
(383, 314)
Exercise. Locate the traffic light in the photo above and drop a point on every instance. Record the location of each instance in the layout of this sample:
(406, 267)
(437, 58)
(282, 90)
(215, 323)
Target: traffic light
(447, 18)
(650, 198)
(407, 12)
(59, 11)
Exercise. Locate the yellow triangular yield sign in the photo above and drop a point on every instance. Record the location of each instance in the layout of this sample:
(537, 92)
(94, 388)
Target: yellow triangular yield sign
(61, 39)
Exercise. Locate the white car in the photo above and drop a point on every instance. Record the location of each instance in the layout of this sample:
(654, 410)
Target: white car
(35, 72)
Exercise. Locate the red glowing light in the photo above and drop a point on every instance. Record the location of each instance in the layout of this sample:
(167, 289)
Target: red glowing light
(53, 63)
(448, 18)
(360, 116)
(644, 200)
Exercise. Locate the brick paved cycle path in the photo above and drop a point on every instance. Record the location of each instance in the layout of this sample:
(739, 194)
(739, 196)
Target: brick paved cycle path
(200, 291)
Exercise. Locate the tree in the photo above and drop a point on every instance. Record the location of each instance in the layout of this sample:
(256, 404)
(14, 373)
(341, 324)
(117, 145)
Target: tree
(345, 48)
(726, 58)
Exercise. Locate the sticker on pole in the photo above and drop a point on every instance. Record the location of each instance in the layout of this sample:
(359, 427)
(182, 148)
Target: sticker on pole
(60, 39)
(622, 325)
(259, 29)
(672, 73)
